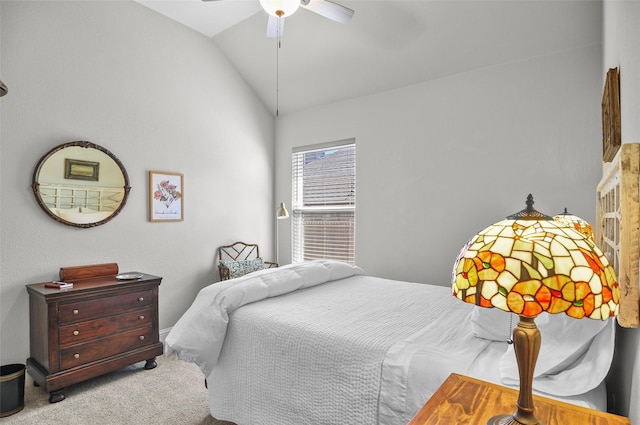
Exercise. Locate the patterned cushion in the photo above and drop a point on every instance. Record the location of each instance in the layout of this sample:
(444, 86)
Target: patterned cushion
(242, 267)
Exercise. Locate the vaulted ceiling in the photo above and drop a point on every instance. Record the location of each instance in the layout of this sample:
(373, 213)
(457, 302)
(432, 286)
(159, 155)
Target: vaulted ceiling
(388, 43)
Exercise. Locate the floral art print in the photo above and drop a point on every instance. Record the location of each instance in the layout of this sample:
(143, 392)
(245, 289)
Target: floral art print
(165, 196)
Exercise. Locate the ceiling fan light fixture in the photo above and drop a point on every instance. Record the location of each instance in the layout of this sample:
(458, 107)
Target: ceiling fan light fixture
(280, 8)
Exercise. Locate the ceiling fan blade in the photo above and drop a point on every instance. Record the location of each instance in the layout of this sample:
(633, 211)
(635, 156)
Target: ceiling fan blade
(272, 27)
(329, 9)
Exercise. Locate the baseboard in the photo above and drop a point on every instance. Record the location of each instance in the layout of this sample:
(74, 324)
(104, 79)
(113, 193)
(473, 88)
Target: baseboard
(163, 334)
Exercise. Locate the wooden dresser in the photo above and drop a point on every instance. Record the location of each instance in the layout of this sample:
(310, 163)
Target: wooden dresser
(100, 325)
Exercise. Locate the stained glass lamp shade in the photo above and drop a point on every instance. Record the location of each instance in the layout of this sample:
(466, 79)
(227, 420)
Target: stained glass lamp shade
(528, 264)
(577, 223)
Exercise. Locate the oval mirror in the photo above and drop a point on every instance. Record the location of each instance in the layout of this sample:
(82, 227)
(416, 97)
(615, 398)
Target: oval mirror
(81, 184)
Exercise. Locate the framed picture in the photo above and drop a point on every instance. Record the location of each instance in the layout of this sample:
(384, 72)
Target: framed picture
(77, 169)
(166, 196)
(611, 137)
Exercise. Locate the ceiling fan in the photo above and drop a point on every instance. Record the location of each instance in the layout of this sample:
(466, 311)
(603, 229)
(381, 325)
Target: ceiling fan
(279, 9)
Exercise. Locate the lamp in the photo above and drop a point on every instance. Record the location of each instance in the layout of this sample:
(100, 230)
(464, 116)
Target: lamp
(527, 264)
(280, 8)
(281, 214)
(577, 223)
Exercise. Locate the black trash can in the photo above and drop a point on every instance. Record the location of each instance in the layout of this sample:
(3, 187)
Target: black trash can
(11, 389)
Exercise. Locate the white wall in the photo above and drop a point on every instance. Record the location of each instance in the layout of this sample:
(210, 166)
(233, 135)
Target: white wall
(160, 97)
(621, 35)
(439, 161)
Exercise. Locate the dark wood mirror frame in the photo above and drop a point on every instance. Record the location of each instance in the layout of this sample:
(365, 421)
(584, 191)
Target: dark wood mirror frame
(36, 185)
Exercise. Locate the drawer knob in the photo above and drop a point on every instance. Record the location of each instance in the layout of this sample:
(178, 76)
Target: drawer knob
(75, 312)
(141, 317)
(76, 356)
(76, 333)
(141, 337)
(141, 299)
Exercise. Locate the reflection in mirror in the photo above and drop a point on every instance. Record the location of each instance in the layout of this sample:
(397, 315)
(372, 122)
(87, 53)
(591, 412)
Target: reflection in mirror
(81, 184)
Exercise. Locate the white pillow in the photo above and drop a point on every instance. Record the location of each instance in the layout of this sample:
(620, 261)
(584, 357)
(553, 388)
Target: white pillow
(60, 211)
(492, 323)
(83, 217)
(575, 355)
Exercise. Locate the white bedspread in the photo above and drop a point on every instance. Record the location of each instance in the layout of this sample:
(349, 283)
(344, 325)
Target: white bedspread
(415, 366)
(309, 357)
(198, 336)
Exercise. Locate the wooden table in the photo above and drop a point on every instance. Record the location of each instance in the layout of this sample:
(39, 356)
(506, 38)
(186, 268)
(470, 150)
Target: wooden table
(463, 400)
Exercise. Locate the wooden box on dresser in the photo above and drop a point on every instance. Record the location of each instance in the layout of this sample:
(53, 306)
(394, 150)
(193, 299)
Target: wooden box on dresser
(100, 325)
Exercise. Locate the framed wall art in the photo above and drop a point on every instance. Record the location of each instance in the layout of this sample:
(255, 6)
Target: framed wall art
(76, 169)
(166, 202)
(611, 115)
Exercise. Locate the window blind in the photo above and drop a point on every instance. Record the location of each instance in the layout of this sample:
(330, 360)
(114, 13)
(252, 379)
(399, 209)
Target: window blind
(324, 189)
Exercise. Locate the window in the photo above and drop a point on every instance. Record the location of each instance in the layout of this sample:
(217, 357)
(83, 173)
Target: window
(324, 202)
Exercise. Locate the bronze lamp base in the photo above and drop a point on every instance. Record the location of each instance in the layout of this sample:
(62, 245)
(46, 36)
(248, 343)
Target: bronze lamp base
(526, 345)
(506, 420)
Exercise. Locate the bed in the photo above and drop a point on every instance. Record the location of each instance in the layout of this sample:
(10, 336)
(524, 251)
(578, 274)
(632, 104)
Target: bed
(80, 204)
(323, 343)
(91, 198)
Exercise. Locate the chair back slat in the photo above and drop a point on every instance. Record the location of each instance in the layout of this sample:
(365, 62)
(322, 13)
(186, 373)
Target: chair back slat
(238, 251)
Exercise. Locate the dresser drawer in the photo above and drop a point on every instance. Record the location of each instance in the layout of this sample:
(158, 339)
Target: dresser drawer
(80, 354)
(80, 332)
(79, 311)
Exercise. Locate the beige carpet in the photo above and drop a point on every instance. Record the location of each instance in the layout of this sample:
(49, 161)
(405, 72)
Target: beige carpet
(172, 393)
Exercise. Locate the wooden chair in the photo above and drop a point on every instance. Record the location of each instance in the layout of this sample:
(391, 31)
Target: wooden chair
(243, 256)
